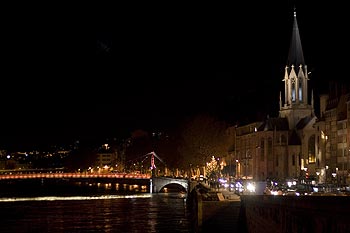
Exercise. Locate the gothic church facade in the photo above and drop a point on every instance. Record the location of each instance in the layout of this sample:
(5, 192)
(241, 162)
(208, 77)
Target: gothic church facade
(284, 147)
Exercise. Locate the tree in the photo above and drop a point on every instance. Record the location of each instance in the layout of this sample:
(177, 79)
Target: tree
(203, 136)
(213, 168)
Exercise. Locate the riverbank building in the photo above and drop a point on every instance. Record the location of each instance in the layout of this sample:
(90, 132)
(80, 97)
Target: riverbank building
(296, 145)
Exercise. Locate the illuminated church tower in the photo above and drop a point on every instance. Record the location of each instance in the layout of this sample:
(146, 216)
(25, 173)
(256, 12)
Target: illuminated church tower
(296, 79)
(284, 147)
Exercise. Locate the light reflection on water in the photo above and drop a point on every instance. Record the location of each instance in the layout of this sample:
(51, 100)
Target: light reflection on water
(57, 198)
(106, 210)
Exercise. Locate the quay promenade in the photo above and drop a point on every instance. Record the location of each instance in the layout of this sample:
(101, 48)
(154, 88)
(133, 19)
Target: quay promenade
(218, 210)
(292, 214)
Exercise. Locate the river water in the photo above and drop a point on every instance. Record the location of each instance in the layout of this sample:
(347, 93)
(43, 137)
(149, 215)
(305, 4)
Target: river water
(90, 208)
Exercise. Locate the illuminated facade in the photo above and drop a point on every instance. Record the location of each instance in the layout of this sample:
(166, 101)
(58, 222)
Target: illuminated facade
(106, 158)
(288, 146)
(334, 136)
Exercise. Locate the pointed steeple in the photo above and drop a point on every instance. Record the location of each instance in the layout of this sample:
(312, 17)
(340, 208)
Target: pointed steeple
(296, 56)
(295, 80)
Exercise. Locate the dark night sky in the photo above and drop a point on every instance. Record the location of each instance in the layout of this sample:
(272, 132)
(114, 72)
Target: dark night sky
(72, 75)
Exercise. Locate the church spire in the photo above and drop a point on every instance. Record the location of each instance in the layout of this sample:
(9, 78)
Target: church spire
(295, 56)
(295, 80)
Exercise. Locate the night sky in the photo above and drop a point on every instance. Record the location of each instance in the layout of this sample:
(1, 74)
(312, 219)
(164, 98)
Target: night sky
(89, 76)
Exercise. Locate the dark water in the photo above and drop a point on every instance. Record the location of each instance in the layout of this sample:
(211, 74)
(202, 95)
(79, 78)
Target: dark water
(90, 208)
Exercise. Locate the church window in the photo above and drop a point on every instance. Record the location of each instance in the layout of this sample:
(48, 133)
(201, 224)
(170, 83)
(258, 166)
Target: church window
(293, 159)
(311, 149)
(300, 90)
(293, 90)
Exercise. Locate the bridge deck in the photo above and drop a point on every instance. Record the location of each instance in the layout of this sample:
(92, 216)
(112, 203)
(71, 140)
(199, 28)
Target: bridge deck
(73, 175)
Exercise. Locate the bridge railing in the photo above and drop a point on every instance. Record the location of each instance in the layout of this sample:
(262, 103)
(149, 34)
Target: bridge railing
(74, 175)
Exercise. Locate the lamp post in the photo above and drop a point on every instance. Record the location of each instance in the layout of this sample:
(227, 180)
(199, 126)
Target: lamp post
(337, 176)
(318, 176)
(327, 174)
(305, 175)
(236, 175)
(324, 156)
(334, 175)
(343, 163)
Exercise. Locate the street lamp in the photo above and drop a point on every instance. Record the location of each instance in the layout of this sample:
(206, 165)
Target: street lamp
(334, 174)
(237, 162)
(325, 157)
(304, 175)
(327, 174)
(318, 176)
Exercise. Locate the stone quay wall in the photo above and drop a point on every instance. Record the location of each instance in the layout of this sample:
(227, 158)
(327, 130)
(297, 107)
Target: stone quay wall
(213, 212)
(312, 214)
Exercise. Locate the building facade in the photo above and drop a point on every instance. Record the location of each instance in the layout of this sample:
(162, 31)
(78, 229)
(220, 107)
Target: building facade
(106, 159)
(297, 144)
(334, 136)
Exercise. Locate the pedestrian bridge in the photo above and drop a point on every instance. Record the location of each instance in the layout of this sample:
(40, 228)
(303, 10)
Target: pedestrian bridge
(156, 184)
(48, 175)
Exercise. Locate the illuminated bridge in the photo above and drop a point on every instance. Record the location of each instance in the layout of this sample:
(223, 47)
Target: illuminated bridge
(72, 175)
(157, 184)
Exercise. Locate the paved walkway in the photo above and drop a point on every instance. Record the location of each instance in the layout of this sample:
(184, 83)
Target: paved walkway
(227, 195)
(229, 217)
